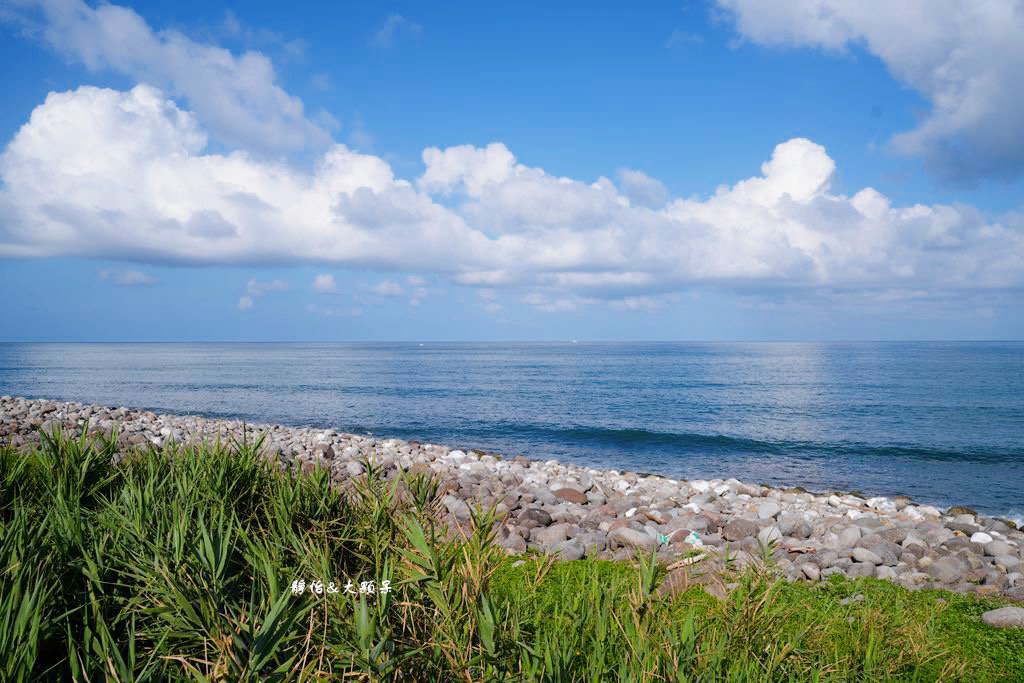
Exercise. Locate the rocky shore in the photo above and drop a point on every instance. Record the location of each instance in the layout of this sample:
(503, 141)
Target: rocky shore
(572, 512)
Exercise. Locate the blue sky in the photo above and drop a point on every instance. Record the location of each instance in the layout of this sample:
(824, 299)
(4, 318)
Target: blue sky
(595, 171)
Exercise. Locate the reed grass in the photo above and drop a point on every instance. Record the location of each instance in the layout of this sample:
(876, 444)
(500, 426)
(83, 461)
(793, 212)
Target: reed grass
(177, 564)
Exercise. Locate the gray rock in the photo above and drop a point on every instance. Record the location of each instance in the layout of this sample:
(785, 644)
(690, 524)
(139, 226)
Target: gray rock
(858, 569)
(887, 552)
(550, 536)
(739, 529)
(946, 569)
(849, 536)
(534, 517)
(811, 571)
(324, 450)
(1008, 562)
(768, 509)
(354, 468)
(996, 548)
(593, 542)
(545, 496)
(865, 555)
(631, 538)
(569, 550)
(1004, 617)
(458, 508)
(513, 543)
(769, 534)
(885, 573)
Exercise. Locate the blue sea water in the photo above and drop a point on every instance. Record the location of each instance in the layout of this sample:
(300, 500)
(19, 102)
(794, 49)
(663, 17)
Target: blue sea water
(941, 422)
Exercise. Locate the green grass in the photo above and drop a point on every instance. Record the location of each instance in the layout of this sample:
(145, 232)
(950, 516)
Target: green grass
(178, 564)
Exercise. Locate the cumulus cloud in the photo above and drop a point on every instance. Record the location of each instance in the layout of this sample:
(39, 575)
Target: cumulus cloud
(324, 284)
(127, 175)
(641, 189)
(255, 289)
(964, 56)
(236, 96)
(127, 278)
(134, 181)
(393, 26)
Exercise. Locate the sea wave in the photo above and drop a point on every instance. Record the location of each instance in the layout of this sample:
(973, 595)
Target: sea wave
(685, 442)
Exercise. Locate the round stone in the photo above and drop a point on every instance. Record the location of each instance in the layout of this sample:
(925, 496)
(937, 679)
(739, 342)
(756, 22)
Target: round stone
(631, 538)
(865, 555)
(999, 548)
(811, 571)
(738, 529)
(570, 495)
(1004, 617)
(569, 550)
(768, 509)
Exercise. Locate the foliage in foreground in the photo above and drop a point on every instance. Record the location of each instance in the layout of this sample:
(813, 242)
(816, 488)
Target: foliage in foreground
(178, 565)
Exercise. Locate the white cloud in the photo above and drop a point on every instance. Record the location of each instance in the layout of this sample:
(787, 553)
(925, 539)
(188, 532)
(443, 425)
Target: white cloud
(641, 189)
(236, 96)
(418, 294)
(562, 305)
(125, 175)
(324, 284)
(388, 288)
(964, 56)
(255, 289)
(133, 180)
(394, 25)
(415, 281)
(468, 168)
(127, 278)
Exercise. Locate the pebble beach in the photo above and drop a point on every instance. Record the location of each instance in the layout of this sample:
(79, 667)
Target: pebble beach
(570, 512)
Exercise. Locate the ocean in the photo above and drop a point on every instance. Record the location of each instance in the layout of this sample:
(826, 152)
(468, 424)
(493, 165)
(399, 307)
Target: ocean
(942, 422)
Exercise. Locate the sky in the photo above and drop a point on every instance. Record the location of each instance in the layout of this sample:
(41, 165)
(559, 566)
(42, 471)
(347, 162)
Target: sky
(715, 170)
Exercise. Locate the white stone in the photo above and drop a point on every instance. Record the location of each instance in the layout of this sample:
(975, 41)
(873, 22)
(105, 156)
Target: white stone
(768, 509)
(912, 512)
(700, 486)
